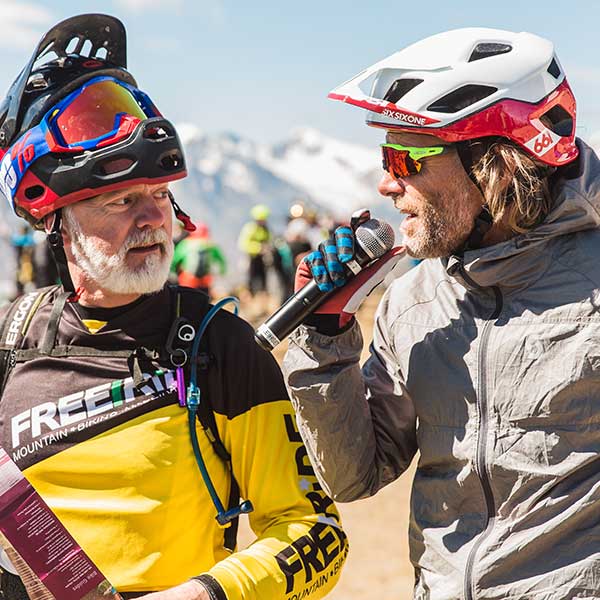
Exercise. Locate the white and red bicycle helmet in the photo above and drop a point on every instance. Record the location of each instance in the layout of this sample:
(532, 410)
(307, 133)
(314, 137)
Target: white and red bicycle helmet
(473, 83)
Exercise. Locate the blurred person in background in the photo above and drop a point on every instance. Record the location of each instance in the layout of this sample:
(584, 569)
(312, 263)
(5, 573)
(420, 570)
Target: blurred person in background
(197, 258)
(282, 261)
(45, 272)
(318, 226)
(35, 265)
(23, 244)
(485, 356)
(296, 235)
(140, 442)
(255, 242)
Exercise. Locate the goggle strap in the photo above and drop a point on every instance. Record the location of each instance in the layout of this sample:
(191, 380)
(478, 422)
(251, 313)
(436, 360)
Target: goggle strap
(181, 215)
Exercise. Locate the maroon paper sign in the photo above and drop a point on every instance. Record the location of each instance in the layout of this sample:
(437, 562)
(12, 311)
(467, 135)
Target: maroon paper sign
(43, 542)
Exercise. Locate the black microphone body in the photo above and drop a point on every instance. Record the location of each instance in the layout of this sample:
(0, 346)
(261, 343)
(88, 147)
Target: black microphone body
(373, 240)
(290, 314)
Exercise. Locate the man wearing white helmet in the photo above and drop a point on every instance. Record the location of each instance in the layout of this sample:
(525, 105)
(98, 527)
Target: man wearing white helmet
(485, 357)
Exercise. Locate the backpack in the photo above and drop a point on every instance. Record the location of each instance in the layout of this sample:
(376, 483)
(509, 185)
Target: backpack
(200, 263)
(191, 305)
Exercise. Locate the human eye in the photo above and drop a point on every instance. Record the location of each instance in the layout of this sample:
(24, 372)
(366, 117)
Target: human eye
(121, 201)
(161, 194)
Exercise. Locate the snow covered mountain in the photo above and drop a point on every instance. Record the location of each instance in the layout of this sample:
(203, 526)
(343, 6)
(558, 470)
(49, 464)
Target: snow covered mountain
(337, 176)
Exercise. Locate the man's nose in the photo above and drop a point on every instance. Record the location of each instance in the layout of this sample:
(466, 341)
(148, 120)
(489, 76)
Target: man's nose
(390, 186)
(150, 213)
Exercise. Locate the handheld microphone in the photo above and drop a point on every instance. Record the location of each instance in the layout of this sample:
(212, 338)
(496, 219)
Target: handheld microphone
(373, 239)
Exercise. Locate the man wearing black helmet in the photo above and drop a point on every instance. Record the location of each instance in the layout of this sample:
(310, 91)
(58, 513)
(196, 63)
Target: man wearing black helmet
(484, 357)
(137, 410)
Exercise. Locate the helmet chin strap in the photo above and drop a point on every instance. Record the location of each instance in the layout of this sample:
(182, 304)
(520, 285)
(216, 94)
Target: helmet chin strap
(483, 223)
(55, 239)
(484, 220)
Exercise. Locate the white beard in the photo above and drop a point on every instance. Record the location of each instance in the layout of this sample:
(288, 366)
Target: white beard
(111, 271)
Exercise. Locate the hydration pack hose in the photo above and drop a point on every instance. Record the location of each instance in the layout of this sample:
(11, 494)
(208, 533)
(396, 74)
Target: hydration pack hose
(193, 399)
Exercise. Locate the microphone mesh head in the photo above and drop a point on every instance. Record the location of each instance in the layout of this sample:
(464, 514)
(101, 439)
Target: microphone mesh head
(375, 237)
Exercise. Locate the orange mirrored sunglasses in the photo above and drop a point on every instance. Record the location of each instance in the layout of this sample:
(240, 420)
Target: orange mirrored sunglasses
(402, 161)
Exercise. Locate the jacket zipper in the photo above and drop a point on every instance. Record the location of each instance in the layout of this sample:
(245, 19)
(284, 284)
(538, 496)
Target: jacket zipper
(481, 463)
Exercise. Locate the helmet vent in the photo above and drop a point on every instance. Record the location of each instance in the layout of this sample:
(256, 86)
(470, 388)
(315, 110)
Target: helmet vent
(33, 192)
(72, 46)
(487, 49)
(558, 120)
(158, 132)
(461, 98)
(400, 88)
(84, 47)
(171, 161)
(48, 55)
(554, 69)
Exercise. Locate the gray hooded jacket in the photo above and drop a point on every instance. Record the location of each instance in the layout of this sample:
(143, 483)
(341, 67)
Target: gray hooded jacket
(490, 368)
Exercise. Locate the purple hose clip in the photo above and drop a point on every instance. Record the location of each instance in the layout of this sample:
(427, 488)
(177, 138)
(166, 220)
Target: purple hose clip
(181, 392)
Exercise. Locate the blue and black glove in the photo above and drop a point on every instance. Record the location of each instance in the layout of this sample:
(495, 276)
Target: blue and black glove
(327, 267)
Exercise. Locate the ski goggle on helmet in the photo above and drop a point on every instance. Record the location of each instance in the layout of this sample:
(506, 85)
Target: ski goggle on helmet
(77, 126)
(472, 83)
(103, 110)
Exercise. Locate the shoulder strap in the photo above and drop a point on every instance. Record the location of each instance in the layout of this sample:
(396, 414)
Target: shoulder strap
(190, 301)
(193, 306)
(14, 326)
(206, 413)
(49, 340)
(5, 355)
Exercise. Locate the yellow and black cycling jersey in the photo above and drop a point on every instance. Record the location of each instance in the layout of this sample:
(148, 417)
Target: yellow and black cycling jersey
(114, 460)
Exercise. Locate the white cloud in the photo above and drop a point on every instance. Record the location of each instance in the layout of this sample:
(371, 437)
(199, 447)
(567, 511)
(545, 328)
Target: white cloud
(23, 23)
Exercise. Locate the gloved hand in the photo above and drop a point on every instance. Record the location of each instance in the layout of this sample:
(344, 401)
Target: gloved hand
(326, 267)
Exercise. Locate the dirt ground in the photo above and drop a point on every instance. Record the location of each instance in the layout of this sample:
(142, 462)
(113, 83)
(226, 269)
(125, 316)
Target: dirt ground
(377, 565)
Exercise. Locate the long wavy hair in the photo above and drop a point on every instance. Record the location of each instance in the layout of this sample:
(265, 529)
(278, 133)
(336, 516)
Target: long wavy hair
(515, 185)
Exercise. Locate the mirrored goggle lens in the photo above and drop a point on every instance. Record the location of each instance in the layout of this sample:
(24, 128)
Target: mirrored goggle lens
(96, 111)
(398, 163)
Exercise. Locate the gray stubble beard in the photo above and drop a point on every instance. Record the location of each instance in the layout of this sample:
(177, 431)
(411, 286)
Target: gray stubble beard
(439, 236)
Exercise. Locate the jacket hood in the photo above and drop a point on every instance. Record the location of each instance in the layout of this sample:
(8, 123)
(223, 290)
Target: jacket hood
(514, 263)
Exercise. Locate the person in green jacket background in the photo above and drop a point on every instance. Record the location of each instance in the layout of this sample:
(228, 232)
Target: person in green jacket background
(196, 258)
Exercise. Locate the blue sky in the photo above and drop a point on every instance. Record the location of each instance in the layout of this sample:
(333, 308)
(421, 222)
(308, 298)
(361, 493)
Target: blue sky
(261, 68)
